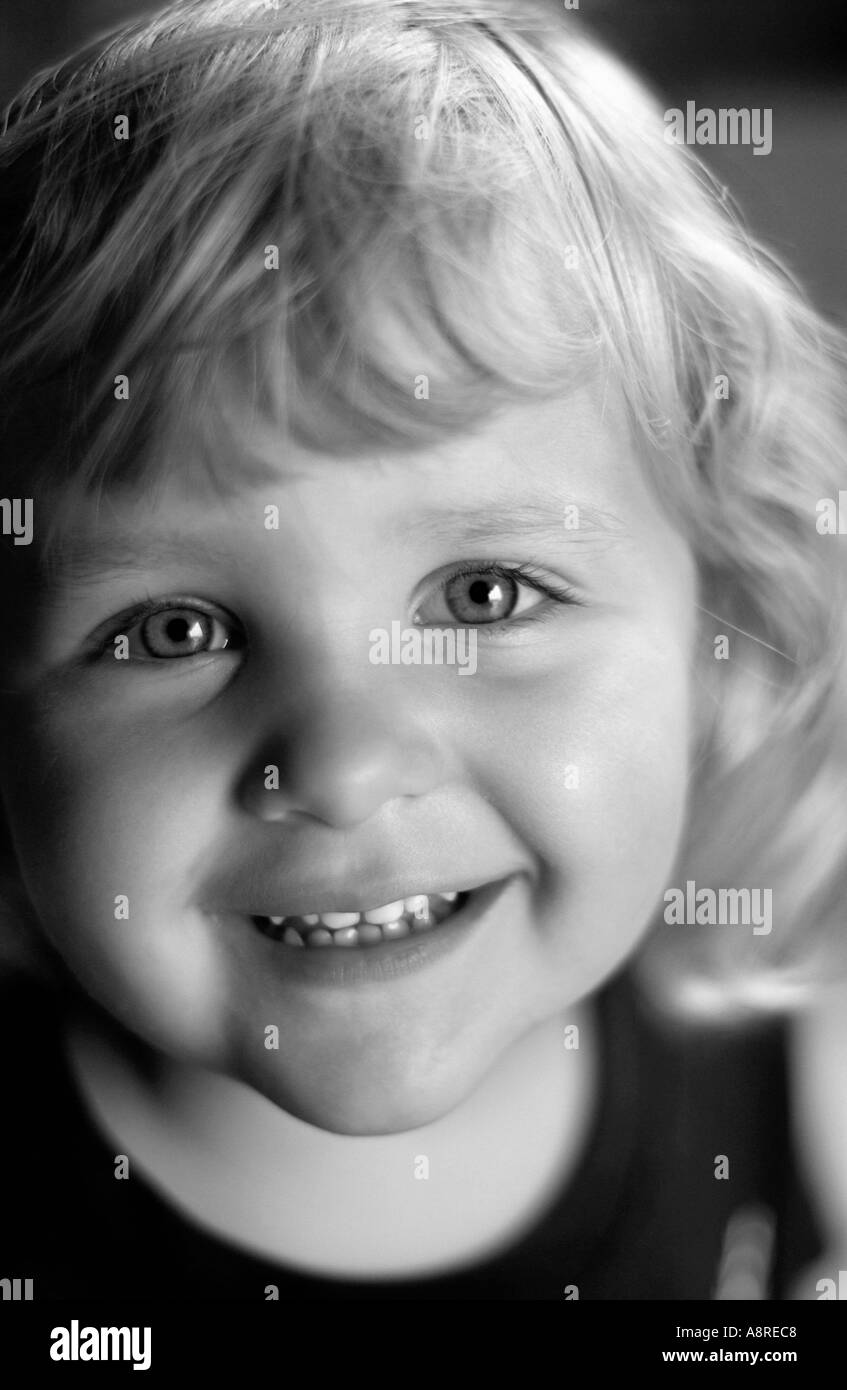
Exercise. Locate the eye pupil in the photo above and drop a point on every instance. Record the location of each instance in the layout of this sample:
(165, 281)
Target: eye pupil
(481, 591)
(177, 629)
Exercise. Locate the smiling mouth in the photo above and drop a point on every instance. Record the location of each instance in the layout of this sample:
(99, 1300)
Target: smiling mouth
(345, 930)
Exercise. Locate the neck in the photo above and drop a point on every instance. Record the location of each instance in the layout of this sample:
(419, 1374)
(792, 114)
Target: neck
(448, 1193)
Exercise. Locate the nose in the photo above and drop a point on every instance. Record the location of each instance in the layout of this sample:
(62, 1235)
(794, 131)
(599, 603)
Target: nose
(340, 757)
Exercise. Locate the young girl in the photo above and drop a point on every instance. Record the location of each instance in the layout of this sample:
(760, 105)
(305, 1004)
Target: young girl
(348, 977)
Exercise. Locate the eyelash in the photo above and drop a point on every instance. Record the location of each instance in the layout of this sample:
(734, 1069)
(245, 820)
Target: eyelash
(561, 594)
(127, 621)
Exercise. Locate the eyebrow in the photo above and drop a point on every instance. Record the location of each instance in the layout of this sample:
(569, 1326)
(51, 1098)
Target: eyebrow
(77, 560)
(543, 521)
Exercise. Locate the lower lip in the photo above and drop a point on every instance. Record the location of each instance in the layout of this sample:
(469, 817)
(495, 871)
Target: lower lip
(390, 960)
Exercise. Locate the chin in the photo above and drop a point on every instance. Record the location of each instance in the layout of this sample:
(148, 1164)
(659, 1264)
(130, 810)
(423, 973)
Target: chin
(358, 1110)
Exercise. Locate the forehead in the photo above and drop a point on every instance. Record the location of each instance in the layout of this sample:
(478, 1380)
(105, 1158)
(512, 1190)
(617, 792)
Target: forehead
(551, 440)
(517, 474)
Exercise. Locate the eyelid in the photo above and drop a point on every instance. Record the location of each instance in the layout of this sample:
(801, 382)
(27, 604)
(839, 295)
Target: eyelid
(558, 591)
(121, 624)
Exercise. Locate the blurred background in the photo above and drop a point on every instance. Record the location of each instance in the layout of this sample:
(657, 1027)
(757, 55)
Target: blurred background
(789, 56)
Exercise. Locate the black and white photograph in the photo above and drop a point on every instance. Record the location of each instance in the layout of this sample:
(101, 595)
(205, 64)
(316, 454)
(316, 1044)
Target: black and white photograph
(423, 707)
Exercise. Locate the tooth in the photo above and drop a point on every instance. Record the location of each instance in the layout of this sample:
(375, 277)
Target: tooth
(277, 921)
(347, 936)
(449, 897)
(369, 933)
(418, 906)
(311, 919)
(292, 937)
(334, 920)
(390, 930)
(443, 906)
(318, 937)
(389, 913)
(422, 924)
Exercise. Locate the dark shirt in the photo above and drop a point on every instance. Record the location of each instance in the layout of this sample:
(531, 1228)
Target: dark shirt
(644, 1216)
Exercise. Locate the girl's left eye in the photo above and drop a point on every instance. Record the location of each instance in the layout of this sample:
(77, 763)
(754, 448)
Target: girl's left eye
(488, 594)
(174, 633)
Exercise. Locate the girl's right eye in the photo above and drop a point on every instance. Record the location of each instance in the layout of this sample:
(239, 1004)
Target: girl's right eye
(175, 633)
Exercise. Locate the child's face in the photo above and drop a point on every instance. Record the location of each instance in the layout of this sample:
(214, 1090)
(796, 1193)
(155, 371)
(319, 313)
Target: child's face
(558, 769)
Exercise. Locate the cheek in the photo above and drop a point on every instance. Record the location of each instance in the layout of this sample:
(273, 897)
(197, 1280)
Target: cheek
(594, 780)
(106, 828)
(89, 806)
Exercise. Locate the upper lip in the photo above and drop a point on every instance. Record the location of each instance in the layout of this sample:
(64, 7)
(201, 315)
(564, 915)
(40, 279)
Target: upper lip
(298, 902)
(454, 848)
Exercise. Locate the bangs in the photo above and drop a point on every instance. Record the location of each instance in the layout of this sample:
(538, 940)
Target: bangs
(415, 338)
(357, 230)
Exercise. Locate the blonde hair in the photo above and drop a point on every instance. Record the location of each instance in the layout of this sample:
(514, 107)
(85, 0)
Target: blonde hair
(494, 179)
